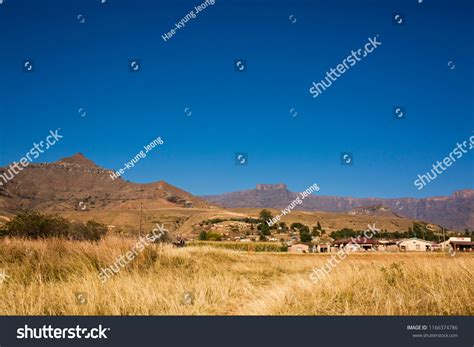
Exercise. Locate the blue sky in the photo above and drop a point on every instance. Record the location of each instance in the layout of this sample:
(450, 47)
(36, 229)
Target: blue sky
(85, 65)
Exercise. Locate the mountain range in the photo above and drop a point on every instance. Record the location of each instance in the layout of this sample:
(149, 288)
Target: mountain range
(76, 183)
(455, 211)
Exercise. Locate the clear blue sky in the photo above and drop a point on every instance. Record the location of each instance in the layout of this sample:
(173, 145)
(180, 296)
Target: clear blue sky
(86, 65)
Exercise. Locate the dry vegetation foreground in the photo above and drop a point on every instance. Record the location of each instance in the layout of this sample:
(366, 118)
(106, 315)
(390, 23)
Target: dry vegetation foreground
(45, 276)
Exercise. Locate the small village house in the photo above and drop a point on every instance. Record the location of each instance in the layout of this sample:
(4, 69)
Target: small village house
(463, 244)
(357, 244)
(323, 247)
(414, 244)
(388, 245)
(321, 244)
(298, 248)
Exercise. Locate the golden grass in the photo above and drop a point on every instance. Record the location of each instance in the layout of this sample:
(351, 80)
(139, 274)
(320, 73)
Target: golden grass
(45, 275)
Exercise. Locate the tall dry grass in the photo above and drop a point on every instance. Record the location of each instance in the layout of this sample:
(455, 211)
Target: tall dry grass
(44, 277)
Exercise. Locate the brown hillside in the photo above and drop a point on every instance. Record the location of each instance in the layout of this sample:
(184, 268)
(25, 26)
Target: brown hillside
(78, 183)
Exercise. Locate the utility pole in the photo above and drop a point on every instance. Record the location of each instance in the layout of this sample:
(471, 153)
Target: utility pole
(141, 212)
(444, 238)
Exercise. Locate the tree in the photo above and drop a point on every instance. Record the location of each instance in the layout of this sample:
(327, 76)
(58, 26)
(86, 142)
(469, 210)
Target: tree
(297, 225)
(316, 231)
(417, 230)
(305, 236)
(318, 227)
(264, 229)
(265, 215)
(300, 227)
(344, 233)
(202, 236)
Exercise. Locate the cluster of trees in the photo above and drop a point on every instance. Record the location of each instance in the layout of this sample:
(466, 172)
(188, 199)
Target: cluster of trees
(345, 233)
(418, 230)
(263, 227)
(318, 230)
(302, 229)
(34, 225)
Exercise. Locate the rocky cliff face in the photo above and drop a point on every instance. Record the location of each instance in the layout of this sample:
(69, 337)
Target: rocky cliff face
(271, 186)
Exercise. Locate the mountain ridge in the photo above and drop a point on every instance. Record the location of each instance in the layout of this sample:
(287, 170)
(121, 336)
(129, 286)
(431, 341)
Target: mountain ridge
(70, 181)
(453, 211)
(74, 182)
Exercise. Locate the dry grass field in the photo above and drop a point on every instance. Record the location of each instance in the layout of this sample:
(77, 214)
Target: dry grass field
(44, 277)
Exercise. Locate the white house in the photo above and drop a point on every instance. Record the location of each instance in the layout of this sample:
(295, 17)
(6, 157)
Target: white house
(458, 243)
(414, 245)
(298, 248)
(447, 243)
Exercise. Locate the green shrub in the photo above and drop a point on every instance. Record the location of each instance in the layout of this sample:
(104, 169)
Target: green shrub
(300, 227)
(89, 231)
(34, 225)
(305, 236)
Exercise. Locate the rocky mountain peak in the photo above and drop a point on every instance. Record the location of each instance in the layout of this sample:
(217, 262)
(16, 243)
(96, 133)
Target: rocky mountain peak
(78, 159)
(271, 186)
